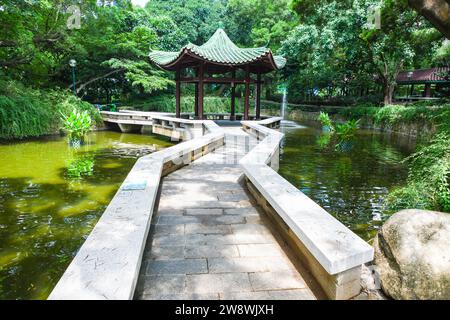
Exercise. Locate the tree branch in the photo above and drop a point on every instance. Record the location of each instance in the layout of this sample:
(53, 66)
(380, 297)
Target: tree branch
(7, 43)
(85, 84)
(435, 11)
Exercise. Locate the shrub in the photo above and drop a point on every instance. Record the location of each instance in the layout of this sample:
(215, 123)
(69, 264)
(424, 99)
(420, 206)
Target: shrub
(366, 110)
(429, 178)
(166, 103)
(27, 112)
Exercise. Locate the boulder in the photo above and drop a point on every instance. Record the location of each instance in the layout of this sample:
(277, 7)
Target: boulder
(412, 254)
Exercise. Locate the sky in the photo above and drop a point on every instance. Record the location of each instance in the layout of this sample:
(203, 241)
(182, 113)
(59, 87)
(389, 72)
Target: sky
(139, 2)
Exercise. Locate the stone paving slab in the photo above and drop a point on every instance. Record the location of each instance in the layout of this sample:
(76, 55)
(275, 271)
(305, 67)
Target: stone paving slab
(177, 266)
(209, 240)
(165, 253)
(209, 283)
(182, 296)
(280, 280)
(211, 251)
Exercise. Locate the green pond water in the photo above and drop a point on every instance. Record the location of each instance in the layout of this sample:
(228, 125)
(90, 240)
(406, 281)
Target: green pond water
(351, 185)
(51, 196)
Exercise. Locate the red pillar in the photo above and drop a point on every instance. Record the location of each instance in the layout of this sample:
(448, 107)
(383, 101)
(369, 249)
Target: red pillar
(233, 97)
(177, 95)
(247, 92)
(196, 101)
(258, 97)
(427, 92)
(201, 74)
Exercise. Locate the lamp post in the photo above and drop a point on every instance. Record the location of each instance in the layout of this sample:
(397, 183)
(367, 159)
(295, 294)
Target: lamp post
(73, 65)
(410, 74)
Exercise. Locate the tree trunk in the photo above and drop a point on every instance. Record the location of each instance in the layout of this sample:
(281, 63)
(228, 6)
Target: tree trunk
(435, 11)
(388, 93)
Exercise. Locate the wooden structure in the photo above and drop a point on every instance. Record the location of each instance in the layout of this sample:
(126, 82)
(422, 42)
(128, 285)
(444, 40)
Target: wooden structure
(439, 77)
(218, 56)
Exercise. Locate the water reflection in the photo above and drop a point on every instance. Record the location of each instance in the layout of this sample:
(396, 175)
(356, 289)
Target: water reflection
(51, 196)
(350, 185)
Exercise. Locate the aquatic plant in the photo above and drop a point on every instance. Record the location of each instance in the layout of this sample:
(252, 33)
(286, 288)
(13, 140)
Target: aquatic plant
(80, 167)
(327, 125)
(345, 134)
(324, 140)
(77, 124)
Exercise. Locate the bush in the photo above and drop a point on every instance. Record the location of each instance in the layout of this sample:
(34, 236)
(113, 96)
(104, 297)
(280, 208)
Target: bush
(365, 110)
(438, 113)
(429, 178)
(27, 112)
(166, 103)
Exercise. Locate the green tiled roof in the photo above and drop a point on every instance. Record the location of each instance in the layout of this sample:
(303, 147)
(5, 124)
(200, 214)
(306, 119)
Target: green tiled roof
(219, 49)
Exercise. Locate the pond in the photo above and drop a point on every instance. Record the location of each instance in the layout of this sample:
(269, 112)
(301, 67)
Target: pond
(51, 196)
(351, 185)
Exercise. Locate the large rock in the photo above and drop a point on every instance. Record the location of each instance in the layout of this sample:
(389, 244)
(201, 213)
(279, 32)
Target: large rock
(412, 254)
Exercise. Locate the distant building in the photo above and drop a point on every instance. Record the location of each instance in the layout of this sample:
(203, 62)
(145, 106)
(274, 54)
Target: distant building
(424, 83)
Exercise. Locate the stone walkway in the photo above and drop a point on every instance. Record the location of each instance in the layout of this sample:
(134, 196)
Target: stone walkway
(210, 241)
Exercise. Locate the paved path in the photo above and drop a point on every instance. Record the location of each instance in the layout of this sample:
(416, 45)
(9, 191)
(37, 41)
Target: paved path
(210, 241)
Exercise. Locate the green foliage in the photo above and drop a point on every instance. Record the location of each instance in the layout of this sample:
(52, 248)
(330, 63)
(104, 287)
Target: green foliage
(359, 111)
(259, 22)
(27, 112)
(323, 141)
(77, 124)
(325, 120)
(437, 113)
(337, 55)
(393, 114)
(166, 103)
(429, 168)
(342, 135)
(345, 134)
(80, 167)
(429, 178)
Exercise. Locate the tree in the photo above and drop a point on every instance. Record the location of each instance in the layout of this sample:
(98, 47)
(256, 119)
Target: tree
(259, 22)
(348, 52)
(326, 52)
(435, 11)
